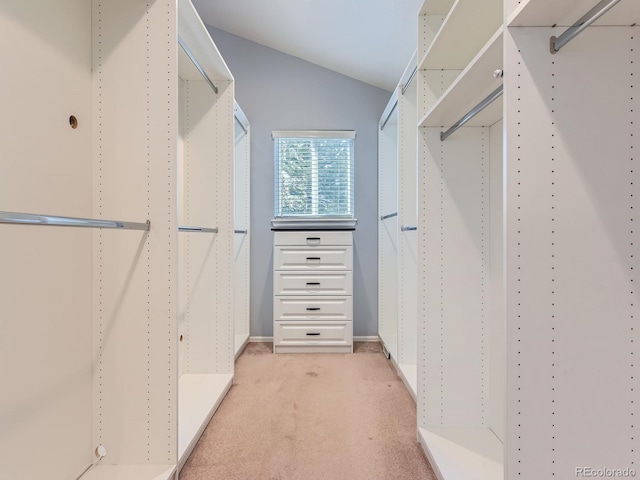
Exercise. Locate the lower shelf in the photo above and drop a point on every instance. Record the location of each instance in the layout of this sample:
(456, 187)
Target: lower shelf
(409, 375)
(240, 342)
(131, 472)
(199, 396)
(463, 453)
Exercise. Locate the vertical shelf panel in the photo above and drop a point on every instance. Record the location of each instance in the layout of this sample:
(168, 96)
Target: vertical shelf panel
(223, 186)
(388, 231)
(241, 241)
(408, 241)
(135, 336)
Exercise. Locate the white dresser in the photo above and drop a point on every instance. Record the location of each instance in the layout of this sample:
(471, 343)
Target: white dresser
(313, 292)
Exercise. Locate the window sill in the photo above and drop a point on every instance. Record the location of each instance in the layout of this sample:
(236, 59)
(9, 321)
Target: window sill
(293, 223)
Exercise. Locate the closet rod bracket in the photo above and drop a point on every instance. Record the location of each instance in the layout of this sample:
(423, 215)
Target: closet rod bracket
(556, 43)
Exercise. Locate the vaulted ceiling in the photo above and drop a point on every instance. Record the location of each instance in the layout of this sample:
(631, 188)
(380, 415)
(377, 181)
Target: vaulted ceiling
(369, 40)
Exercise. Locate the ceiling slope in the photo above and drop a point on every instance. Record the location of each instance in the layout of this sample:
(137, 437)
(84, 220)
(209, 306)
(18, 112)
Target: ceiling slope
(369, 40)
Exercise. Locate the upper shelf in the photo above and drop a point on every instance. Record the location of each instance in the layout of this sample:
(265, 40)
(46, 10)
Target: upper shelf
(196, 37)
(436, 7)
(465, 29)
(546, 13)
(471, 86)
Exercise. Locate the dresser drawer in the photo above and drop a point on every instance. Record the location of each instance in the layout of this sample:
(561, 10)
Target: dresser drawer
(312, 308)
(310, 259)
(313, 283)
(313, 239)
(304, 333)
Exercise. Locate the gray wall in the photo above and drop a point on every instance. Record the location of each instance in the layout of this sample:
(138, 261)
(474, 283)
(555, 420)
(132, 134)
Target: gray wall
(281, 92)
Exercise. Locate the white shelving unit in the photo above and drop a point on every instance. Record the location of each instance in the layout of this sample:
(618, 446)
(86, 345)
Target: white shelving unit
(397, 254)
(91, 128)
(571, 186)
(527, 240)
(206, 259)
(242, 236)
(460, 391)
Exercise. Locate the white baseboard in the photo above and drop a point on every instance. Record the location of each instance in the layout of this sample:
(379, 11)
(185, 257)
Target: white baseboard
(261, 339)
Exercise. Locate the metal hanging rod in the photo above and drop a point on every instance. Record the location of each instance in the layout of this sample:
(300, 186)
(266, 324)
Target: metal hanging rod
(408, 228)
(240, 123)
(390, 215)
(197, 64)
(472, 113)
(243, 232)
(406, 85)
(50, 220)
(556, 43)
(185, 228)
(395, 105)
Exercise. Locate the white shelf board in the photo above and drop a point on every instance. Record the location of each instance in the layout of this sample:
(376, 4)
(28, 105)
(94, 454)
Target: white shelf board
(196, 36)
(436, 7)
(199, 396)
(130, 472)
(392, 104)
(240, 342)
(462, 34)
(471, 86)
(545, 13)
(463, 453)
(409, 375)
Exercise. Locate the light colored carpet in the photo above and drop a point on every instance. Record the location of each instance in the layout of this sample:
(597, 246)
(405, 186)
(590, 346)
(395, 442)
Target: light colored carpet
(312, 417)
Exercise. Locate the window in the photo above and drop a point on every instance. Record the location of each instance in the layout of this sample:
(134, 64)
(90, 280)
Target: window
(313, 173)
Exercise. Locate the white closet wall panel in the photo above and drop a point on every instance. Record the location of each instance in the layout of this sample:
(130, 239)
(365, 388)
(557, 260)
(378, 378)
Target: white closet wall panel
(572, 252)
(242, 238)
(45, 285)
(134, 138)
(388, 234)
(454, 326)
(206, 304)
(497, 326)
(224, 188)
(432, 84)
(408, 217)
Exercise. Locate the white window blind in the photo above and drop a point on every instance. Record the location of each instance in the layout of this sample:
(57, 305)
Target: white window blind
(313, 173)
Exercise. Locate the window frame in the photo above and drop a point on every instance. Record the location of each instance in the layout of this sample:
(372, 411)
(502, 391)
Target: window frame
(314, 134)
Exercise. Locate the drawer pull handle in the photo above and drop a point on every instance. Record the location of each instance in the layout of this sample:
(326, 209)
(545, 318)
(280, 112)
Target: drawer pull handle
(314, 258)
(313, 334)
(313, 284)
(313, 309)
(313, 239)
